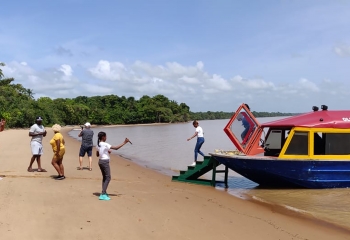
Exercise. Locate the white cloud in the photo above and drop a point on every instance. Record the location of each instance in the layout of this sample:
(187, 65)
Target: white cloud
(66, 69)
(200, 65)
(18, 69)
(51, 82)
(308, 85)
(218, 83)
(252, 83)
(171, 70)
(98, 90)
(146, 78)
(199, 89)
(189, 80)
(342, 50)
(210, 91)
(105, 70)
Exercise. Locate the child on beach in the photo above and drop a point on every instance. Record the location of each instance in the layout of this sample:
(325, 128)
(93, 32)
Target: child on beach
(200, 140)
(103, 151)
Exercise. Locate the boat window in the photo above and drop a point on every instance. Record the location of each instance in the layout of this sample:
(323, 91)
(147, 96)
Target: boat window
(286, 134)
(319, 143)
(274, 139)
(298, 144)
(337, 143)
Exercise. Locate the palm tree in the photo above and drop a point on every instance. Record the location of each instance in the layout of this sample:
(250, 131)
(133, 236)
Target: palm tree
(29, 92)
(1, 74)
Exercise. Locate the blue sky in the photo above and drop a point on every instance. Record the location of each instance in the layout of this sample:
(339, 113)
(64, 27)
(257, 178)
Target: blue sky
(275, 55)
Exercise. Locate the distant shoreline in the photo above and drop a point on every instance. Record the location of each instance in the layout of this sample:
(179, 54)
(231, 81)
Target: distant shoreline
(102, 126)
(131, 125)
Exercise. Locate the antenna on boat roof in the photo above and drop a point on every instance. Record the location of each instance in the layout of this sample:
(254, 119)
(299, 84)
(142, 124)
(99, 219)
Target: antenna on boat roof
(315, 109)
(324, 107)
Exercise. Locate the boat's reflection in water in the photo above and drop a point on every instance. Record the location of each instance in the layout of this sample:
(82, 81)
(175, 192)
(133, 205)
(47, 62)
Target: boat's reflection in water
(329, 205)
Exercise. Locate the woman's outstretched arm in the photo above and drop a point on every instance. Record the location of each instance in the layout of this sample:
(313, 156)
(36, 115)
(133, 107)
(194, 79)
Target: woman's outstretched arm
(119, 146)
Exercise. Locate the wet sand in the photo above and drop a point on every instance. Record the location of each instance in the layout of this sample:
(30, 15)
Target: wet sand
(144, 204)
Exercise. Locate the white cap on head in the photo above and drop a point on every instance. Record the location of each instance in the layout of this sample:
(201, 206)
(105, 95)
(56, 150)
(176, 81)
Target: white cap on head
(87, 124)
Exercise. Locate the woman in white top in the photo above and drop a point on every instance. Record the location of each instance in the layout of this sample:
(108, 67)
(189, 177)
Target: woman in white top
(200, 140)
(103, 151)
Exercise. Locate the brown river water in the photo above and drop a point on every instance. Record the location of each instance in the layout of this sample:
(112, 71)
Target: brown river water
(164, 148)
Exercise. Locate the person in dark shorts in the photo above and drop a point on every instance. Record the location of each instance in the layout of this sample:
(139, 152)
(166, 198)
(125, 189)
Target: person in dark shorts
(86, 145)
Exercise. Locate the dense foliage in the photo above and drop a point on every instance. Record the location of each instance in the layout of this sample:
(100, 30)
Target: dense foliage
(19, 108)
(226, 115)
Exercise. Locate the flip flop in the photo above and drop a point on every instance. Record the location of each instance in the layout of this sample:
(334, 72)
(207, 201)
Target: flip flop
(80, 168)
(41, 170)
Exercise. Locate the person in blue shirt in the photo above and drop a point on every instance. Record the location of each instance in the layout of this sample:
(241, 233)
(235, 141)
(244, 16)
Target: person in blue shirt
(245, 123)
(246, 126)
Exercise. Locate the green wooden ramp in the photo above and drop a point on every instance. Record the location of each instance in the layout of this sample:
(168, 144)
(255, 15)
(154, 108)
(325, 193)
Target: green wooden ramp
(193, 173)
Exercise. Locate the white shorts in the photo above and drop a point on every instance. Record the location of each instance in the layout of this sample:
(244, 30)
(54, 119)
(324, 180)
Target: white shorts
(37, 148)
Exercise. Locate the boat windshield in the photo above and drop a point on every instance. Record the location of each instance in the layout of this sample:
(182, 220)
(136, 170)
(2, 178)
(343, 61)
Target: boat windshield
(299, 144)
(241, 128)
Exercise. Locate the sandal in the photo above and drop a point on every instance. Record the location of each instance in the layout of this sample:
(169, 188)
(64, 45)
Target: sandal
(41, 170)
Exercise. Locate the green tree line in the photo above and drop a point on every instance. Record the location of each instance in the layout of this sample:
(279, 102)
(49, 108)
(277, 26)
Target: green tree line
(19, 108)
(226, 115)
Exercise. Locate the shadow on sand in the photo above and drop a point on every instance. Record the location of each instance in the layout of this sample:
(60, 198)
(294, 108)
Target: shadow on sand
(97, 194)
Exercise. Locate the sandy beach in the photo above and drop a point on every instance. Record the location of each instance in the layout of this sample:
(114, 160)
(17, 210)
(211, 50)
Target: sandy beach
(144, 204)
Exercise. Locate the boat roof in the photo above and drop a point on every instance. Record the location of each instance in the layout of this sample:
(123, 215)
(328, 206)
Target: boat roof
(316, 119)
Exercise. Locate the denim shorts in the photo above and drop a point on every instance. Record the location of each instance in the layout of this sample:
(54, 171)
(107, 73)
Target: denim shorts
(84, 150)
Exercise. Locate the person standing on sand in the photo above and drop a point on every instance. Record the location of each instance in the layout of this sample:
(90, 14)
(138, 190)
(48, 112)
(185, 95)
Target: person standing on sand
(57, 143)
(200, 140)
(103, 151)
(86, 135)
(37, 132)
(2, 125)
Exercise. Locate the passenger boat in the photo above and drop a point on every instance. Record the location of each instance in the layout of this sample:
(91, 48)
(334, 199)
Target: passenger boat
(310, 150)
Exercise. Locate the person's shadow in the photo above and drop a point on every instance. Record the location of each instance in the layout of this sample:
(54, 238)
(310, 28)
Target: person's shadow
(97, 194)
(37, 170)
(53, 176)
(83, 168)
